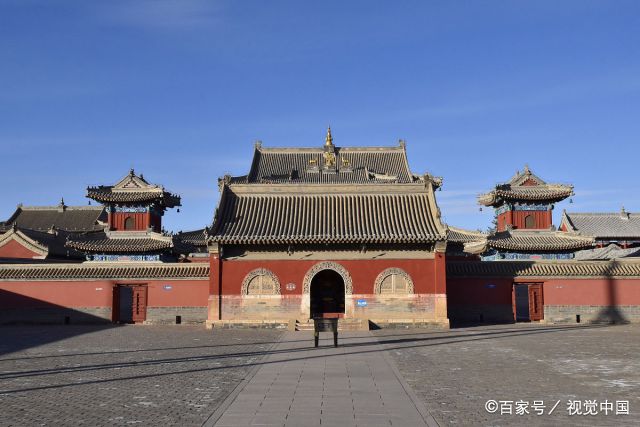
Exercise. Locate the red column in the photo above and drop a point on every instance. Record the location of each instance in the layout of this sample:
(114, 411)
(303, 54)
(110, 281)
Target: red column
(440, 270)
(215, 285)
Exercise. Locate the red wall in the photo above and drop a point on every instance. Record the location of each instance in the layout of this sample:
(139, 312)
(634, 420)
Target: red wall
(596, 291)
(99, 293)
(543, 219)
(479, 291)
(592, 292)
(13, 249)
(142, 221)
(363, 273)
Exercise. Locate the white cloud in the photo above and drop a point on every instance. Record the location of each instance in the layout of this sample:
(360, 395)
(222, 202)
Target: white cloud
(162, 14)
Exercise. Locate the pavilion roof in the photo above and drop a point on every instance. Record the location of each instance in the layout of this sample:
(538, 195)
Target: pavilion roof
(531, 241)
(526, 187)
(133, 189)
(120, 242)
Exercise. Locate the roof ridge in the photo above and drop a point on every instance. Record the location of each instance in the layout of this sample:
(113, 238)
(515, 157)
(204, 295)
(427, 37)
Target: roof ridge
(601, 213)
(372, 148)
(66, 208)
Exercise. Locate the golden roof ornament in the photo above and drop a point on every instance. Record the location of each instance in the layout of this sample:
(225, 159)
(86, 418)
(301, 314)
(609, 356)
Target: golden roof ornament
(328, 141)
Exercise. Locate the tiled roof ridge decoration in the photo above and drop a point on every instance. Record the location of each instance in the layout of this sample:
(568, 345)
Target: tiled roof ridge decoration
(530, 240)
(544, 269)
(615, 225)
(108, 271)
(526, 186)
(133, 189)
(56, 207)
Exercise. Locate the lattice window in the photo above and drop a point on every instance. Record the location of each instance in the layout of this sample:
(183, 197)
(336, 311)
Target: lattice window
(394, 284)
(261, 282)
(393, 281)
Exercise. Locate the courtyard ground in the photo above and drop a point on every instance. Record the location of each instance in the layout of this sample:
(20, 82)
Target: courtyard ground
(124, 375)
(185, 375)
(456, 372)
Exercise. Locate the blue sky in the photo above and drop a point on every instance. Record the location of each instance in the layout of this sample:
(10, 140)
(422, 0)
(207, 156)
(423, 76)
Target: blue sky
(181, 89)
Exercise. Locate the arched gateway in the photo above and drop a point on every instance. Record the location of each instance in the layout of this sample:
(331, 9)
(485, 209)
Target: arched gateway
(326, 284)
(327, 294)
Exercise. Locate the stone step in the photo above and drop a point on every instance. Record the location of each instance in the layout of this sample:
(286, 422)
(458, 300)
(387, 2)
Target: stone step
(343, 325)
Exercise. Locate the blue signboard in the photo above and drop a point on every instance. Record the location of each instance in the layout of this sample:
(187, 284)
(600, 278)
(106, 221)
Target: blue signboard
(361, 303)
(167, 287)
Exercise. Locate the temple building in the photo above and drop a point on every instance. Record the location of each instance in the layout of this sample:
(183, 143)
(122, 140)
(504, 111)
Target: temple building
(328, 232)
(524, 221)
(134, 225)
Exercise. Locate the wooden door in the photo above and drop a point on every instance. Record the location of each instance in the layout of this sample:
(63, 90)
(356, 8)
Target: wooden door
(536, 308)
(115, 307)
(513, 302)
(139, 304)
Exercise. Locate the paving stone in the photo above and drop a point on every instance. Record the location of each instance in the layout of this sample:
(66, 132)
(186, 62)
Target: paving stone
(122, 375)
(331, 386)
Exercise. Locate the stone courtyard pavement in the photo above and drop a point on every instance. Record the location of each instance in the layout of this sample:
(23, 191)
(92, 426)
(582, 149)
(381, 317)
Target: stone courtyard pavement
(185, 375)
(121, 375)
(456, 372)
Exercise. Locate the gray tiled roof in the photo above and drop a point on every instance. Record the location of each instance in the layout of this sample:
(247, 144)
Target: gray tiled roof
(55, 242)
(50, 244)
(133, 189)
(114, 271)
(331, 217)
(69, 218)
(361, 165)
(120, 242)
(195, 237)
(527, 187)
(190, 242)
(542, 269)
(460, 235)
(616, 225)
(611, 251)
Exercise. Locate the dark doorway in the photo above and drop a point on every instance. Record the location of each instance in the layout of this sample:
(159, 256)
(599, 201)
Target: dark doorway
(129, 303)
(522, 303)
(528, 303)
(327, 294)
